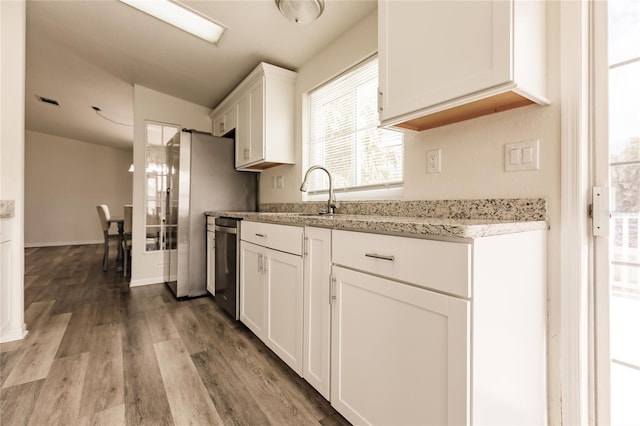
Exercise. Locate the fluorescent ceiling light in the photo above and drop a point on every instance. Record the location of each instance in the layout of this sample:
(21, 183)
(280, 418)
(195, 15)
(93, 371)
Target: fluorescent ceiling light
(182, 17)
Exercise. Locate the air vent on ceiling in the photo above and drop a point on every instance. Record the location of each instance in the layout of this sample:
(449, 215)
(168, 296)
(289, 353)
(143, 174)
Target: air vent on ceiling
(47, 100)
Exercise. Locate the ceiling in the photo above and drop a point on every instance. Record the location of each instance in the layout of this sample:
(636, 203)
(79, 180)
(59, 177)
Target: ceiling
(91, 53)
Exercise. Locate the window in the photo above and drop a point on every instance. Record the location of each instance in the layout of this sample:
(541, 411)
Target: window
(344, 135)
(624, 175)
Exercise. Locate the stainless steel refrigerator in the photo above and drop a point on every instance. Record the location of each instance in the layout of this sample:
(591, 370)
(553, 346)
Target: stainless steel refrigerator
(201, 177)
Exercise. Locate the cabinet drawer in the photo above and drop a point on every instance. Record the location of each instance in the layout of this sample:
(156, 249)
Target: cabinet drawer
(438, 265)
(278, 237)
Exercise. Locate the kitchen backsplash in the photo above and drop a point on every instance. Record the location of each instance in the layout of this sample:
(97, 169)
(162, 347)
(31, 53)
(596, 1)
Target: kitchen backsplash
(7, 209)
(516, 209)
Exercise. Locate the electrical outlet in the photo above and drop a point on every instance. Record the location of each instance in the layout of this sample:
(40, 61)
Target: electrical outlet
(433, 161)
(279, 182)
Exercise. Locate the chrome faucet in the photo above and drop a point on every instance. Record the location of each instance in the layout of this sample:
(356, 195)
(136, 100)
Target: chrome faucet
(331, 204)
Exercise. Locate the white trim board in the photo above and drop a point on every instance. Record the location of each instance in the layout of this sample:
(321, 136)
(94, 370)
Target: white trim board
(146, 281)
(574, 262)
(63, 243)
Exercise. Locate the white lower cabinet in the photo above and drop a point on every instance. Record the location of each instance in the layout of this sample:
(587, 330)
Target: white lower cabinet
(317, 309)
(430, 332)
(400, 354)
(404, 331)
(271, 289)
(283, 273)
(252, 288)
(211, 255)
(5, 282)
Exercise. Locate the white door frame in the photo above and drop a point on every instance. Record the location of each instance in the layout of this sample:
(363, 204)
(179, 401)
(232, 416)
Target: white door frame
(600, 391)
(584, 165)
(575, 197)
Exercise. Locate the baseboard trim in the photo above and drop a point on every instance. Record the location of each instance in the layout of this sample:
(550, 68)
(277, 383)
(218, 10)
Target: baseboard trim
(63, 243)
(146, 281)
(13, 334)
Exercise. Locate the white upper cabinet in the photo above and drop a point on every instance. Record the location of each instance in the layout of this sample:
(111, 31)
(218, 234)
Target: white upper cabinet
(225, 121)
(442, 62)
(261, 110)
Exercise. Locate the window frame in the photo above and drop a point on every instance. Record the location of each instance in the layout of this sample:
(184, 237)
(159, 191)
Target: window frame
(390, 190)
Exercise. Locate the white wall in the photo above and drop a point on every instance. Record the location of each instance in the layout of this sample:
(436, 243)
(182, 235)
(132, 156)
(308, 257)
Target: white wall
(12, 83)
(148, 267)
(65, 179)
(360, 42)
(472, 158)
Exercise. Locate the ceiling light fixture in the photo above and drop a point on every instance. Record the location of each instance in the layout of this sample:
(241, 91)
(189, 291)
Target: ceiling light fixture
(182, 17)
(301, 11)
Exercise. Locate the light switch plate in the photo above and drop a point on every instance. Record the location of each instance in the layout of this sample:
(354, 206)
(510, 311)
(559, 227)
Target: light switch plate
(522, 156)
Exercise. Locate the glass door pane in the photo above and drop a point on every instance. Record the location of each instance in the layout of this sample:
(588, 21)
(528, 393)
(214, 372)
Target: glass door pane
(156, 172)
(624, 172)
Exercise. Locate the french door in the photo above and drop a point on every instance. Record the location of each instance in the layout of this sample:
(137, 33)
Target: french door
(616, 166)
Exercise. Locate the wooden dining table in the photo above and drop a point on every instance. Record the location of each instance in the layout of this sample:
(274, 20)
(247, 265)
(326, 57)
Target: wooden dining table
(119, 221)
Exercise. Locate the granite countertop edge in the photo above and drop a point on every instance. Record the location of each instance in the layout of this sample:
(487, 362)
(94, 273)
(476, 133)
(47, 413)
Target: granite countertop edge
(396, 225)
(7, 209)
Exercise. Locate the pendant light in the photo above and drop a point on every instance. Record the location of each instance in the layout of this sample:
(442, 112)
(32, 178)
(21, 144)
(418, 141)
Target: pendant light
(301, 11)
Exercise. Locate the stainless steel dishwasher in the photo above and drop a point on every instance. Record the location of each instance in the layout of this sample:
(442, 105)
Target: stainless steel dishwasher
(226, 265)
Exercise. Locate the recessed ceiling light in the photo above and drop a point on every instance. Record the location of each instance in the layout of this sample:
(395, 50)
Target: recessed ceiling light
(182, 17)
(47, 100)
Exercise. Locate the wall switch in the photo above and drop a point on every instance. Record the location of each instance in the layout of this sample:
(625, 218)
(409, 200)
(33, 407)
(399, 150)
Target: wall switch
(522, 156)
(433, 161)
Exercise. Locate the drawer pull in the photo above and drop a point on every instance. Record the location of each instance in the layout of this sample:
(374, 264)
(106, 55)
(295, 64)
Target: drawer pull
(380, 256)
(261, 235)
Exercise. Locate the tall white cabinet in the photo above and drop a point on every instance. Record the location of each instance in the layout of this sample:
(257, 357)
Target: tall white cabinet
(446, 61)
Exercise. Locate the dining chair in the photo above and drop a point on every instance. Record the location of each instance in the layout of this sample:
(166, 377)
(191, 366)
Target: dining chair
(126, 241)
(103, 214)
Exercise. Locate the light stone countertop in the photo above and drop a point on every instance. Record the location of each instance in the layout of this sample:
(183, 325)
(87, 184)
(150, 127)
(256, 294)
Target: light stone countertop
(395, 225)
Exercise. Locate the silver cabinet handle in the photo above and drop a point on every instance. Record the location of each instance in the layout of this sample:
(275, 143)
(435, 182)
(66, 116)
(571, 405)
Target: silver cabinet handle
(332, 289)
(260, 265)
(261, 235)
(380, 256)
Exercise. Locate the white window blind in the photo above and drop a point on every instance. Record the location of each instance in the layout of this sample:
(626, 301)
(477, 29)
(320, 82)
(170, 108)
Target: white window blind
(344, 136)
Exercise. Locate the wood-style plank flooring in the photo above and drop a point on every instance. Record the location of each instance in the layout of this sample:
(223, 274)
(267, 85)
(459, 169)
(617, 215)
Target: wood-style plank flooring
(101, 353)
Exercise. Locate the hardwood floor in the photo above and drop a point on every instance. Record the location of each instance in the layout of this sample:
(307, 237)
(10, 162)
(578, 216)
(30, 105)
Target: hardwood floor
(101, 353)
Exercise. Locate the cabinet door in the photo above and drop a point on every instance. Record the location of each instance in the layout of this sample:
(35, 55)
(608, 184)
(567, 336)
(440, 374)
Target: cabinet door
(317, 309)
(435, 51)
(211, 262)
(243, 131)
(283, 284)
(400, 354)
(5, 286)
(218, 125)
(256, 140)
(230, 119)
(252, 289)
